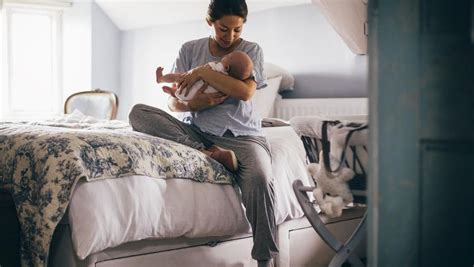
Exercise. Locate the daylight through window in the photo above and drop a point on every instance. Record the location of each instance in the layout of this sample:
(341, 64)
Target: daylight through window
(31, 56)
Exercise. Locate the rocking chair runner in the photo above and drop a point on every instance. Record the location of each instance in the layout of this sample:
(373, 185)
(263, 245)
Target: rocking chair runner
(349, 145)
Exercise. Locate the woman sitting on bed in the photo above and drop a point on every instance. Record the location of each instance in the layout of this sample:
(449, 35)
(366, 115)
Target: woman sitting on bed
(231, 126)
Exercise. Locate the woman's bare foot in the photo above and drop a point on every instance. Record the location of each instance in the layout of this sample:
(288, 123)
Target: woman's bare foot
(225, 157)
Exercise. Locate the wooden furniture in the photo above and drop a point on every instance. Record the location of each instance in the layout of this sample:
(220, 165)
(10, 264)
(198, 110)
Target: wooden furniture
(97, 103)
(351, 157)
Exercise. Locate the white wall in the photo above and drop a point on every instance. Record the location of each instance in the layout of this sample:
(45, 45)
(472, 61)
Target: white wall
(106, 39)
(77, 50)
(300, 39)
(91, 46)
(142, 51)
(297, 38)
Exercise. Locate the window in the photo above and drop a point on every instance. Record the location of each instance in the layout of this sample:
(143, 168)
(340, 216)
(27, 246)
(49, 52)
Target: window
(31, 56)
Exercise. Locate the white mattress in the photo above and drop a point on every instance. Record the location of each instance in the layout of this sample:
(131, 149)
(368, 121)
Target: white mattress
(110, 212)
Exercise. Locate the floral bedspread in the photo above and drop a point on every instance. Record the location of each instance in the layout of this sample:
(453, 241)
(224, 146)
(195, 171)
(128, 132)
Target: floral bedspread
(40, 165)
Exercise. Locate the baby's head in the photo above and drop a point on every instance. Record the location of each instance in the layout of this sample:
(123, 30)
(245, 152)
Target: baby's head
(238, 64)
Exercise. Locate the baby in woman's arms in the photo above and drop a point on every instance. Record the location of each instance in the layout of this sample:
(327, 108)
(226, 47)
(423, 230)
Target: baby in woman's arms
(236, 64)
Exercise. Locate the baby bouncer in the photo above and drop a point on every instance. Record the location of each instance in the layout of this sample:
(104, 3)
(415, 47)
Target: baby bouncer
(336, 147)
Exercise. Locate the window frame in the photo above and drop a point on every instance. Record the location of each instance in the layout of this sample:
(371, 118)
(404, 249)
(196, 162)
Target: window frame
(6, 107)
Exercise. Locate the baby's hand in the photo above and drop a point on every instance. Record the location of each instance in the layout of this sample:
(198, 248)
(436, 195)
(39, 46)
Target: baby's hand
(170, 90)
(159, 74)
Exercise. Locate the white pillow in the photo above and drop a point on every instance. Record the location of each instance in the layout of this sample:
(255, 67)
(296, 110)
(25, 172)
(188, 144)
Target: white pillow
(271, 70)
(264, 98)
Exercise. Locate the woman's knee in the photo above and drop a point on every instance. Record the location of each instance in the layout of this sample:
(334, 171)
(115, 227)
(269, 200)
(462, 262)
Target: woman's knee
(140, 112)
(135, 112)
(256, 166)
(138, 116)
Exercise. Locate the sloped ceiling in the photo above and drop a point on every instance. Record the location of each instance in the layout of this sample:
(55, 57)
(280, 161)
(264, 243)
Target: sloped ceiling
(349, 19)
(129, 14)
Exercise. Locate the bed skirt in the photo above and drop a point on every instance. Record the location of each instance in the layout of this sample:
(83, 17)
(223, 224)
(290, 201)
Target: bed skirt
(298, 242)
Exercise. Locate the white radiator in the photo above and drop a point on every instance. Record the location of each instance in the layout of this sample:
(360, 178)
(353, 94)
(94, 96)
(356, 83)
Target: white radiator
(288, 108)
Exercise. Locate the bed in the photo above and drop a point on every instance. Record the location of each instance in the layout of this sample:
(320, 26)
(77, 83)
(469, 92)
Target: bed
(95, 193)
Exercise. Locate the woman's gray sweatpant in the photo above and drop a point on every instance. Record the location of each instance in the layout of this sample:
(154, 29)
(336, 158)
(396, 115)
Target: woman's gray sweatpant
(254, 175)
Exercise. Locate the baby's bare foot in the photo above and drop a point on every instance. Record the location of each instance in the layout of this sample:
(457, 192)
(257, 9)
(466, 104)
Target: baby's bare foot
(159, 74)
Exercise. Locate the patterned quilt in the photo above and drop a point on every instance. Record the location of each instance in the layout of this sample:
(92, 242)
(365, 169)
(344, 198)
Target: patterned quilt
(41, 163)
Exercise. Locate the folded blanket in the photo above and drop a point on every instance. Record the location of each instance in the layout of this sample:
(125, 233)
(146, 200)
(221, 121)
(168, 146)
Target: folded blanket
(41, 163)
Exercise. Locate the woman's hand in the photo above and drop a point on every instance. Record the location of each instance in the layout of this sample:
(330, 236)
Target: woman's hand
(202, 100)
(186, 80)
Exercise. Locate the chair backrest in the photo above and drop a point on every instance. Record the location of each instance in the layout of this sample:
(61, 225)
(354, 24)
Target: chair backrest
(97, 103)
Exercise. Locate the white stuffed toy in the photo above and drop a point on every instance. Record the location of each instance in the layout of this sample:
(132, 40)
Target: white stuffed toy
(334, 184)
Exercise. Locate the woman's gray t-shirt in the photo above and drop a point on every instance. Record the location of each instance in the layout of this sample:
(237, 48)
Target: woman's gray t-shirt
(233, 114)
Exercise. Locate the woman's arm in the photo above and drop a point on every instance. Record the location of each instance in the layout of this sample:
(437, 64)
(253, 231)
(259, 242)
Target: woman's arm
(200, 101)
(243, 90)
